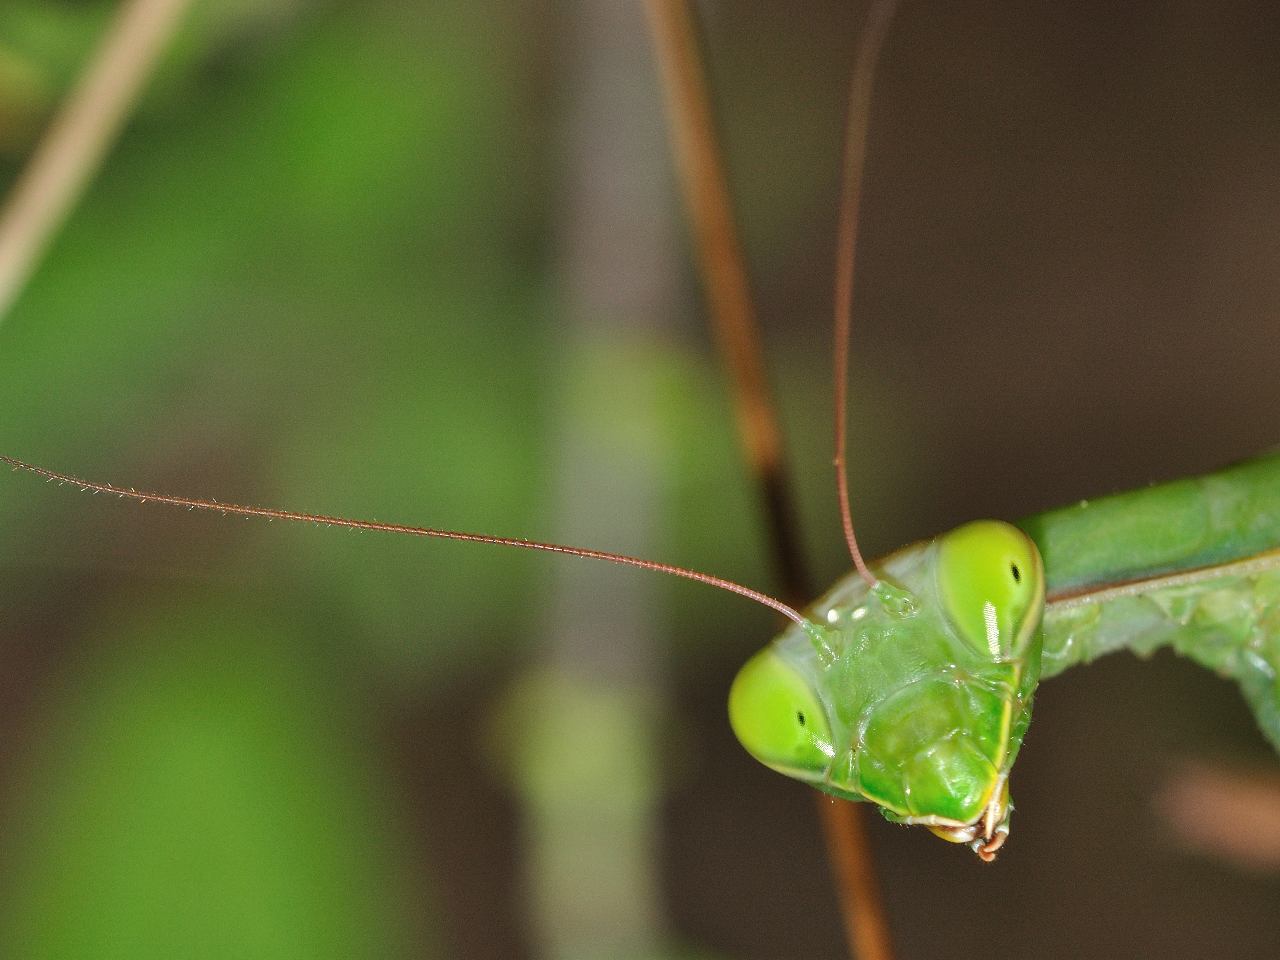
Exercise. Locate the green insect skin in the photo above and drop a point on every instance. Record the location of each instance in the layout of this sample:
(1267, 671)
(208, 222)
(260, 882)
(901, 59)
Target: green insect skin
(915, 695)
(1193, 564)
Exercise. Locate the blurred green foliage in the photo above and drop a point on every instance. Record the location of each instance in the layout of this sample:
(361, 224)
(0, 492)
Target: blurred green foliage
(313, 272)
(197, 792)
(291, 262)
(318, 270)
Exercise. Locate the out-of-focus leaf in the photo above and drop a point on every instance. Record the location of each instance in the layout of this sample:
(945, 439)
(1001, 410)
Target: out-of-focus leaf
(197, 791)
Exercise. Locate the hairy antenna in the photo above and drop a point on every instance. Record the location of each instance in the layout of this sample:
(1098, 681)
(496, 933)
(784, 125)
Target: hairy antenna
(855, 154)
(193, 503)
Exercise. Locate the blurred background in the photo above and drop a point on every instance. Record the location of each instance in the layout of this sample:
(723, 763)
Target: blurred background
(424, 262)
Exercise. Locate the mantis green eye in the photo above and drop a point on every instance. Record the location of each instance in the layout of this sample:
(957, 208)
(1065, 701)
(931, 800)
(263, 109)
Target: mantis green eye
(992, 585)
(779, 719)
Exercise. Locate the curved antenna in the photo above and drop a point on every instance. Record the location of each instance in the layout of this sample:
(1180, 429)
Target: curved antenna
(855, 154)
(193, 503)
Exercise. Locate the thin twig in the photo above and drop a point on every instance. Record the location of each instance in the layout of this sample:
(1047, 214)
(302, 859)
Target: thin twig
(725, 277)
(724, 274)
(866, 925)
(78, 137)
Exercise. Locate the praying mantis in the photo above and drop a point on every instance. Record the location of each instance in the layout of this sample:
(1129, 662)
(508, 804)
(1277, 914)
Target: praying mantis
(977, 390)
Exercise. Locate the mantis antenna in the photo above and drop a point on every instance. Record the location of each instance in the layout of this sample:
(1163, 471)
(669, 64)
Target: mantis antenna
(193, 503)
(855, 154)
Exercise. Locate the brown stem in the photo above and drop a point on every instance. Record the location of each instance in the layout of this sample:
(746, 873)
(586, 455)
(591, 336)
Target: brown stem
(865, 924)
(79, 136)
(724, 275)
(725, 278)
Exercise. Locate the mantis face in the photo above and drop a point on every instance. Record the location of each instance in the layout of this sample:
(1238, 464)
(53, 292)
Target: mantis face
(914, 694)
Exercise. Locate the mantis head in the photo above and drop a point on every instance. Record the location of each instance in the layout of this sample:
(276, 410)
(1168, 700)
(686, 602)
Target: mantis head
(915, 693)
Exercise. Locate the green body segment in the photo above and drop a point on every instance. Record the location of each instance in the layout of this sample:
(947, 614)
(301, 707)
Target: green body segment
(1193, 564)
(1195, 522)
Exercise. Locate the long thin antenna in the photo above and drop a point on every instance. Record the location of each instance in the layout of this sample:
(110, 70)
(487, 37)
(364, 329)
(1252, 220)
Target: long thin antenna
(855, 154)
(193, 503)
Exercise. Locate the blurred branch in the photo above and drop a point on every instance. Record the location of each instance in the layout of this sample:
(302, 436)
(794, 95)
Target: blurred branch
(1228, 814)
(724, 274)
(79, 136)
(590, 714)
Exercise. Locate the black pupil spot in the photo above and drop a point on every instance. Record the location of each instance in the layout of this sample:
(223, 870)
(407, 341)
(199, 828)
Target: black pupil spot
(800, 717)
(1017, 574)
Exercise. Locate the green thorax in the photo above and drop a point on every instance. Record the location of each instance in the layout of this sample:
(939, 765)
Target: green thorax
(1193, 564)
(1186, 524)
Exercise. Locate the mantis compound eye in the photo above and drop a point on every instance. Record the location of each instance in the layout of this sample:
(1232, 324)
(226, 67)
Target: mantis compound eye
(777, 716)
(992, 584)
